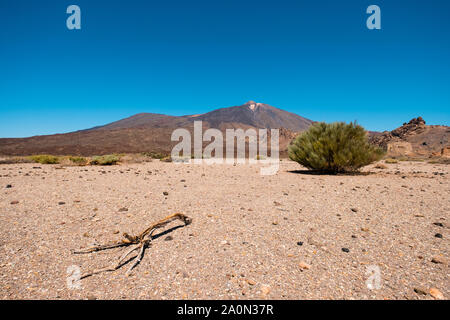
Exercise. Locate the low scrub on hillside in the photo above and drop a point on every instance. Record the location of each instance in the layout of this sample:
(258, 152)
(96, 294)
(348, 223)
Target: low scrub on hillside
(154, 155)
(106, 160)
(45, 159)
(391, 161)
(334, 148)
(79, 161)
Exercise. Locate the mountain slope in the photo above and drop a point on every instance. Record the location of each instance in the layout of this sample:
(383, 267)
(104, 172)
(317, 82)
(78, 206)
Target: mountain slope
(146, 132)
(250, 114)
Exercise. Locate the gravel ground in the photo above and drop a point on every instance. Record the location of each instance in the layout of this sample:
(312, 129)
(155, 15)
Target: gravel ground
(288, 236)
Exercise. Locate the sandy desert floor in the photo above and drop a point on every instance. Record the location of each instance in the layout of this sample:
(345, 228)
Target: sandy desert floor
(288, 236)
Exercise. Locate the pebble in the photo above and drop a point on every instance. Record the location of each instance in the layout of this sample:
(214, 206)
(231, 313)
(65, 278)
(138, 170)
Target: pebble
(251, 282)
(354, 209)
(304, 266)
(345, 250)
(439, 224)
(165, 193)
(435, 293)
(168, 238)
(300, 243)
(123, 209)
(265, 290)
(15, 202)
(420, 291)
(8, 186)
(438, 260)
(438, 235)
(61, 203)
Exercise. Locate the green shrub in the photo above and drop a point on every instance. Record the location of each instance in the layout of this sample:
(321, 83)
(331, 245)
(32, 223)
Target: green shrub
(80, 161)
(334, 148)
(106, 160)
(45, 159)
(391, 161)
(154, 155)
(166, 159)
(16, 160)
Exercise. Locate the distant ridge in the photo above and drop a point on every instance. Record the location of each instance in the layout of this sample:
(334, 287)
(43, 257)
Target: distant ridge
(258, 115)
(145, 132)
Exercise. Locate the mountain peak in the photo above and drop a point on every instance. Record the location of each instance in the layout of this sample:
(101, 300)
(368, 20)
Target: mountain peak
(252, 105)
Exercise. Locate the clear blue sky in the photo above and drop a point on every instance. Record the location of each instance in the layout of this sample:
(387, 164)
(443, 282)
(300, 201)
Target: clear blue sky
(314, 58)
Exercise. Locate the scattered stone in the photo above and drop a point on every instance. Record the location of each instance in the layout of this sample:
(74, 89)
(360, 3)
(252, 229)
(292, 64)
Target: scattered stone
(438, 260)
(123, 209)
(8, 186)
(438, 235)
(15, 202)
(165, 193)
(354, 209)
(439, 224)
(435, 293)
(251, 282)
(304, 266)
(275, 223)
(265, 290)
(300, 243)
(420, 291)
(345, 250)
(61, 203)
(168, 238)
(116, 232)
(276, 203)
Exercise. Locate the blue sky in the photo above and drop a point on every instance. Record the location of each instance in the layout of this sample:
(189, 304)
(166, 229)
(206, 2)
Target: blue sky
(314, 58)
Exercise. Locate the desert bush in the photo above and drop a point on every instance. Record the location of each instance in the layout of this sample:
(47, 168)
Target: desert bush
(439, 161)
(106, 160)
(391, 161)
(16, 160)
(45, 159)
(80, 161)
(166, 159)
(154, 155)
(334, 148)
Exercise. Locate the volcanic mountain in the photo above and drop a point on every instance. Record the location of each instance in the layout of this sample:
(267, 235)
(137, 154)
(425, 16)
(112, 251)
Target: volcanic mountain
(147, 132)
(251, 114)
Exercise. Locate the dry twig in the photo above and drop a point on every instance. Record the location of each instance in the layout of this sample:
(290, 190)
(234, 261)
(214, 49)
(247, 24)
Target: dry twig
(139, 242)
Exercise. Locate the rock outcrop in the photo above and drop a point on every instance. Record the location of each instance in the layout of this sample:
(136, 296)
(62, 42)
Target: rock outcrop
(414, 139)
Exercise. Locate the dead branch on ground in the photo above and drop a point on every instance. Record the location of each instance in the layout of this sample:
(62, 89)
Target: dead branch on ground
(139, 242)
